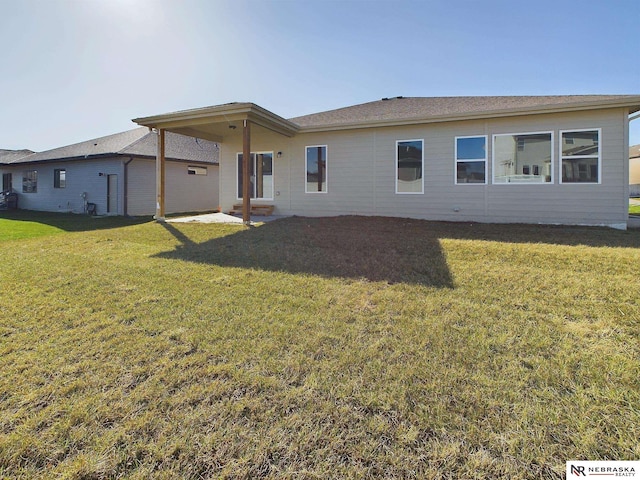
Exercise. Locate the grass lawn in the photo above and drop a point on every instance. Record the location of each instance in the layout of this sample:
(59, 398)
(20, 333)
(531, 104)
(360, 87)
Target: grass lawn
(21, 224)
(317, 348)
(634, 209)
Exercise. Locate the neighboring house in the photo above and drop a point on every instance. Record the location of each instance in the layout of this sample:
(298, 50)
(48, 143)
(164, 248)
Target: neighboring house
(6, 157)
(535, 159)
(117, 173)
(634, 171)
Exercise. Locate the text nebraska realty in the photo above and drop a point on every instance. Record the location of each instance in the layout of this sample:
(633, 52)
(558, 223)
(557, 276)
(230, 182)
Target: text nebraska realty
(580, 470)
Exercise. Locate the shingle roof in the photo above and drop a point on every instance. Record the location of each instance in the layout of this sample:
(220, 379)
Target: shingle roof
(634, 151)
(400, 109)
(138, 142)
(9, 156)
(178, 147)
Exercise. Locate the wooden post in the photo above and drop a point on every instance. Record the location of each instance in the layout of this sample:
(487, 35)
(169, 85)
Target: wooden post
(160, 177)
(246, 173)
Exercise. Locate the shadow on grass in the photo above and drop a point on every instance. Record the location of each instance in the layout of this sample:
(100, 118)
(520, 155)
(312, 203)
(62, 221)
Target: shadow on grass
(392, 250)
(542, 234)
(71, 222)
(395, 250)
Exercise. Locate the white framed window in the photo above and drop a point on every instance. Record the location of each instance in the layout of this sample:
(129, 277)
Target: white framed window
(316, 169)
(260, 175)
(409, 166)
(580, 157)
(30, 181)
(59, 178)
(514, 153)
(191, 170)
(471, 160)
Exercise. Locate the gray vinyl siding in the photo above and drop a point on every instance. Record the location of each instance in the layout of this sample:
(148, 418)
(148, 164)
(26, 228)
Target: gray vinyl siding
(80, 177)
(361, 173)
(141, 187)
(184, 192)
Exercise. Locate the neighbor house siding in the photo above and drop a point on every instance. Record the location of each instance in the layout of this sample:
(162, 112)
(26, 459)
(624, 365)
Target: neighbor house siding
(184, 192)
(80, 177)
(634, 176)
(361, 170)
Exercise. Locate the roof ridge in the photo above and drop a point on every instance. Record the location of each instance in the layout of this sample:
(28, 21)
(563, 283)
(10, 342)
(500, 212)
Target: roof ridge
(135, 141)
(96, 139)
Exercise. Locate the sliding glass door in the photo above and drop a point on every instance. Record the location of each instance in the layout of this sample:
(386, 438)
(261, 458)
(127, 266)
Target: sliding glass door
(260, 175)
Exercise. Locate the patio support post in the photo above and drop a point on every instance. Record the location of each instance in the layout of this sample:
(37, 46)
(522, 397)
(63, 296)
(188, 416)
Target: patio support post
(246, 173)
(160, 177)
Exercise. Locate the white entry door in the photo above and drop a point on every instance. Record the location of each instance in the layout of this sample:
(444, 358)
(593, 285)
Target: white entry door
(112, 194)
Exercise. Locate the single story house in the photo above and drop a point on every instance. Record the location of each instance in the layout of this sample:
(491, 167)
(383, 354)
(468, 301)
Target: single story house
(634, 171)
(524, 159)
(116, 174)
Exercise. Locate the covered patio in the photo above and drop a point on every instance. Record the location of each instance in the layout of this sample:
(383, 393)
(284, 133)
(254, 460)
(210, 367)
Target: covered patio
(215, 124)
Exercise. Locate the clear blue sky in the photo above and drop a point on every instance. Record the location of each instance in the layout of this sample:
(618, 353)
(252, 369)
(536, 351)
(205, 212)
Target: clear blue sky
(71, 70)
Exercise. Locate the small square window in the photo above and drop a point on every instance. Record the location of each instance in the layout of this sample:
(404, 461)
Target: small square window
(196, 170)
(580, 150)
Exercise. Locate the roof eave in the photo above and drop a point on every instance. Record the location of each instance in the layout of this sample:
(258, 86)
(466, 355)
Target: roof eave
(65, 159)
(99, 156)
(633, 104)
(221, 113)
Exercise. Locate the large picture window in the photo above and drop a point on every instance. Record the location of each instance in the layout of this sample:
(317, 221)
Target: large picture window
(580, 153)
(523, 158)
(30, 181)
(59, 178)
(316, 169)
(260, 174)
(409, 166)
(471, 159)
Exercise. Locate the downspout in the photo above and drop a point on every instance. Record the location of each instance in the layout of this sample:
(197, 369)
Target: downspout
(126, 185)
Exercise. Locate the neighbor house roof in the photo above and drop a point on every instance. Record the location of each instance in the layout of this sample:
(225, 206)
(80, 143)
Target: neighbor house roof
(634, 151)
(139, 142)
(412, 110)
(9, 156)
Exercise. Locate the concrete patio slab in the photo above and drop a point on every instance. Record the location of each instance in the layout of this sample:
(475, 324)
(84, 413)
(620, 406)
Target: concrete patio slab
(221, 218)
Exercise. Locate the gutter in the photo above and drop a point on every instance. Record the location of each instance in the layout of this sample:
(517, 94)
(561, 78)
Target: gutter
(98, 156)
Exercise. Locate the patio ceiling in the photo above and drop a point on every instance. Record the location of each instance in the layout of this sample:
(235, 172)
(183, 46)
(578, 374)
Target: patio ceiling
(216, 122)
